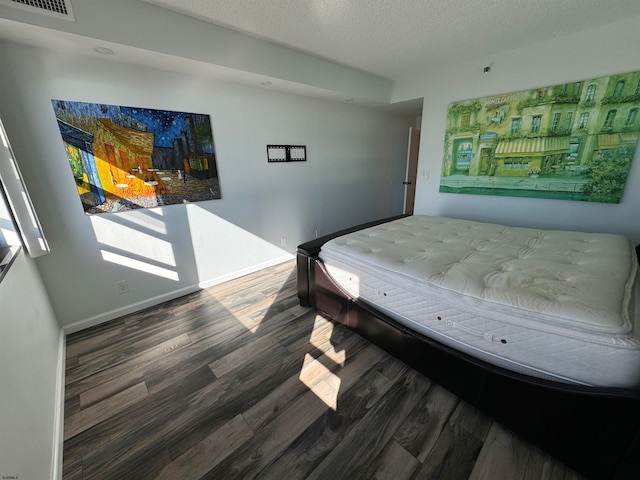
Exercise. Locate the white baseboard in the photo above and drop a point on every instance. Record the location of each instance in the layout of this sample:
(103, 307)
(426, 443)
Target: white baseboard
(246, 271)
(165, 297)
(127, 309)
(58, 427)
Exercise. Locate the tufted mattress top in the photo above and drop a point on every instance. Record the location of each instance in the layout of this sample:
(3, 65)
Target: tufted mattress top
(557, 305)
(572, 280)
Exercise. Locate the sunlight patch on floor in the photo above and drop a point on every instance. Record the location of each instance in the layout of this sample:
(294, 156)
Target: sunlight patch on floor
(314, 374)
(321, 381)
(321, 334)
(251, 316)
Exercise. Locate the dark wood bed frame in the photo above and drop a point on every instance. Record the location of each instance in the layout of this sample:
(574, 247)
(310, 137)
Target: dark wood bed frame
(595, 431)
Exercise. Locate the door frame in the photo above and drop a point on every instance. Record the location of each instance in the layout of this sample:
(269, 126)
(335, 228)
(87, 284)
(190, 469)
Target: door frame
(411, 172)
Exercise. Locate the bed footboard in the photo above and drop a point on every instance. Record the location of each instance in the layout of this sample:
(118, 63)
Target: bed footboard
(309, 251)
(595, 431)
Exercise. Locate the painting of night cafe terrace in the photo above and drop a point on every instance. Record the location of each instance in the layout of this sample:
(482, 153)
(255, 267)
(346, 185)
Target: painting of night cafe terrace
(125, 158)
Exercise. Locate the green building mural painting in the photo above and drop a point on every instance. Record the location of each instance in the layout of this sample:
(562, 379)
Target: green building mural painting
(572, 141)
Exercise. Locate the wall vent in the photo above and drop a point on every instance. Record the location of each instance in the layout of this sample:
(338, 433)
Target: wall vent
(52, 8)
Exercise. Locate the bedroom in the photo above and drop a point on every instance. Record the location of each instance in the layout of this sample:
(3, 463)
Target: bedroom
(33, 78)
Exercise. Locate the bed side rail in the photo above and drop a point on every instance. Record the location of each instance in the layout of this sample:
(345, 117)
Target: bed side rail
(309, 250)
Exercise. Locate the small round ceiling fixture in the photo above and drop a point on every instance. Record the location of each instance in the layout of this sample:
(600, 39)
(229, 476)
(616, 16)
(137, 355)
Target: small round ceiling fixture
(103, 50)
(266, 83)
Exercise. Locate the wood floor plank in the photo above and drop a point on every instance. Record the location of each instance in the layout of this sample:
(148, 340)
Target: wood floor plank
(135, 341)
(229, 341)
(276, 401)
(393, 463)
(321, 437)
(472, 420)
(321, 331)
(130, 337)
(232, 395)
(107, 389)
(127, 329)
(72, 405)
(542, 466)
(109, 439)
(284, 429)
(350, 458)
(166, 371)
(163, 358)
(198, 460)
(503, 455)
(235, 359)
(277, 277)
(71, 362)
(98, 412)
(452, 457)
(72, 468)
(146, 463)
(391, 367)
(571, 475)
(87, 340)
(248, 460)
(119, 368)
(218, 324)
(420, 431)
(134, 439)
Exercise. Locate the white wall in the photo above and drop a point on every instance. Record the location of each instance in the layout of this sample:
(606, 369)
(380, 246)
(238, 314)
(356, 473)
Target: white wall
(31, 366)
(353, 174)
(144, 26)
(598, 52)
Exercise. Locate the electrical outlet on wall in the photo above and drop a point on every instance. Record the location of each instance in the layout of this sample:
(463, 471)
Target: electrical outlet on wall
(283, 241)
(122, 286)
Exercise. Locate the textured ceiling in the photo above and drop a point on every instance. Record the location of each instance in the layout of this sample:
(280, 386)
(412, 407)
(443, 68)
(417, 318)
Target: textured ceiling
(394, 38)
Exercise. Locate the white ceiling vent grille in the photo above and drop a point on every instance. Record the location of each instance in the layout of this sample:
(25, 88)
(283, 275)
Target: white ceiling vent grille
(53, 8)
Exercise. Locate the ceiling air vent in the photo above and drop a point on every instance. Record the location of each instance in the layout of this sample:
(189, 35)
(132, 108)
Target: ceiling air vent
(52, 8)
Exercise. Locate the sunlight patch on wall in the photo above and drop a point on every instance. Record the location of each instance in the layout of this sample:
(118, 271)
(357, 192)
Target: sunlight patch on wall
(138, 265)
(134, 241)
(226, 251)
(147, 219)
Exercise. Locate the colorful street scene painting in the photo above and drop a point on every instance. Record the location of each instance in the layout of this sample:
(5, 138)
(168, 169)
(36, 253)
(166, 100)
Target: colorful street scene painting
(125, 158)
(573, 141)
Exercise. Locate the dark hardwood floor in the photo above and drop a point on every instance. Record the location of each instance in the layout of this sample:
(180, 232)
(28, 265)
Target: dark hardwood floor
(239, 381)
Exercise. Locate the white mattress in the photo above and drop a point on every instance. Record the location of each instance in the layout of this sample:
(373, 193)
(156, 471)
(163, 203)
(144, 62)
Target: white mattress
(553, 304)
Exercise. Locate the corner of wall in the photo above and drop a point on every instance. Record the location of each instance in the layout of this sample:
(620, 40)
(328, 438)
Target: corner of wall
(127, 309)
(245, 271)
(58, 427)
